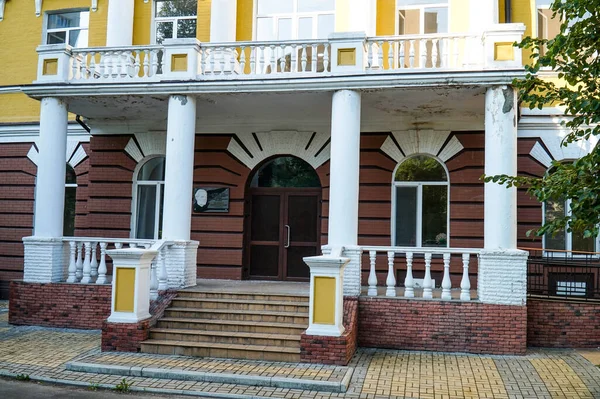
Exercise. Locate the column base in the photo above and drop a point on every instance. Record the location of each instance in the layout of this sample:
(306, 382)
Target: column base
(502, 277)
(352, 273)
(180, 261)
(44, 260)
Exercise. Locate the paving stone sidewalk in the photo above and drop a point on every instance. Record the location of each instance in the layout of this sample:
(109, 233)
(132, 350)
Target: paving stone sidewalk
(43, 353)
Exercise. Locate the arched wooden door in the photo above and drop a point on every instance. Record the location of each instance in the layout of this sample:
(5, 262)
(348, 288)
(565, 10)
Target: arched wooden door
(283, 215)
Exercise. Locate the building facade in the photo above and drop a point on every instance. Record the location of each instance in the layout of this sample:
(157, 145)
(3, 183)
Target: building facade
(250, 134)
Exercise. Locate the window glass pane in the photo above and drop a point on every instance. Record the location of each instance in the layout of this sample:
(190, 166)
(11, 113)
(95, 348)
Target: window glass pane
(421, 168)
(160, 210)
(164, 30)
(275, 6)
(74, 19)
(57, 37)
(435, 216)
(69, 215)
(406, 216)
(316, 5)
(583, 244)
(146, 211)
(305, 28)
(325, 25)
(186, 28)
(555, 209)
(70, 176)
(78, 38)
(286, 172)
(436, 20)
(409, 22)
(176, 8)
(284, 30)
(153, 170)
(264, 29)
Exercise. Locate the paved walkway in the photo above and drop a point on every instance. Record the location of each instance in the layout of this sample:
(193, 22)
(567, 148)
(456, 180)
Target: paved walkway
(43, 353)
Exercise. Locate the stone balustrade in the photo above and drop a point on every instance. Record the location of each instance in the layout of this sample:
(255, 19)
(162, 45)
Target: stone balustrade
(116, 63)
(426, 287)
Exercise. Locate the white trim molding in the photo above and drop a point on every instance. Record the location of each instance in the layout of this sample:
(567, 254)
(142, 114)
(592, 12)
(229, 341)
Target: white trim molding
(2, 4)
(147, 144)
(75, 152)
(94, 5)
(253, 148)
(431, 142)
(541, 155)
(38, 8)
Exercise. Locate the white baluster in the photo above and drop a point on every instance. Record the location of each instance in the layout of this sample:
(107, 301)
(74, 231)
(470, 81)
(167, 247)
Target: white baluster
(222, 64)
(465, 283)
(253, 51)
(446, 283)
(155, 62)
(75, 66)
(326, 57)
(163, 283)
(370, 54)
(390, 60)
(93, 66)
(314, 59)
(126, 64)
(411, 54)
(243, 60)
(114, 64)
(273, 62)
(304, 58)
(424, 53)
(456, 51)
(153, 281)
(427, 283)
(94, 262)
(79, 262)
(372, 291)
(380, 54)
(444, 59)
(294, 59)
(102, 270)
(401, 54)
(72, 262)
(87, 264)
(83, 67)
(262, 61)
(118, 245)
(282, 59)
(409, 282)
(434, 53)
(146, 65)
(136, 66)
(391, 279)
(203, 60)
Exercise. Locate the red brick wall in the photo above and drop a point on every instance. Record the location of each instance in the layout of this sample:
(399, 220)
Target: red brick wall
(556, 324)
(61, 305)
(442, 326)
(333, 350)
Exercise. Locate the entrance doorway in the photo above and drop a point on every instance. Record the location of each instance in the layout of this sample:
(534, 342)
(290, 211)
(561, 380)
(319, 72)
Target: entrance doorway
(283, 208)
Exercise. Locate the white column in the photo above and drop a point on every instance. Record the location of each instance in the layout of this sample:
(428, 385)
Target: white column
(223, 20)
(179, 172)
(119, 23)
(500, 216)
(50, 184)
(360, 16)
(344, 168)
(483, 14)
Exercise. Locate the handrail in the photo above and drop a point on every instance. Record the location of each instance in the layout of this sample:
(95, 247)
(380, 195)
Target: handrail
(266, 43)
(420, 37)
(559, 251)
(432, 250)
(117, 48)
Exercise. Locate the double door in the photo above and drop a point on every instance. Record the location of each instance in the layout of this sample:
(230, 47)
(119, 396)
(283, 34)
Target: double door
(283, 227)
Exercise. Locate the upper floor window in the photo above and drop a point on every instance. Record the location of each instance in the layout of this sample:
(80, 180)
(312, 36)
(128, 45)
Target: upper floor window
(417, 17)
(294, 19)
(547, 26)
(68, 27)
(175, 19)
(564, 240)
(420, 203)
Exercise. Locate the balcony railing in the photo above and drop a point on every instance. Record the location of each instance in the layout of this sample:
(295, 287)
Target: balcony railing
(340, 54)
(563, 274)
(421, 258)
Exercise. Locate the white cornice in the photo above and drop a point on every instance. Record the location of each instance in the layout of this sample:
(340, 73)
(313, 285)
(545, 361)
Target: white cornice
(10, 89)
(28, 133)
(94, 5)
(38, 8)
(313, 84)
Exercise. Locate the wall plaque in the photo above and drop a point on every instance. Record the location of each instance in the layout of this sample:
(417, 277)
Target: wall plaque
(211, 199)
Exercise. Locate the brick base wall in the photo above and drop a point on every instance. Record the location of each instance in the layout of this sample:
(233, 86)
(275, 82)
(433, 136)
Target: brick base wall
(333, 350)
(61, 305)
(470, 327)
(556, 324)
(127, 337)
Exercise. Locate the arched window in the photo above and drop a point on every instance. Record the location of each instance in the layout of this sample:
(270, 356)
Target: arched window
(70, 200)
(420, 203)
(149, 188)
(285, 171)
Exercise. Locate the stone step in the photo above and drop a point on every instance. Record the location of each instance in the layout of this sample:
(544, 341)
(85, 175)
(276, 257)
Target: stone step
(243, 296)
(231, 326)
(240, 304)
(231, 351)
(225, 337)
(238, 315)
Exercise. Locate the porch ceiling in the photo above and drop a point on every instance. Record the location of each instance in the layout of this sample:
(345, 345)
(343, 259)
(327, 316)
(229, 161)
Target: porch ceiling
(447, 108)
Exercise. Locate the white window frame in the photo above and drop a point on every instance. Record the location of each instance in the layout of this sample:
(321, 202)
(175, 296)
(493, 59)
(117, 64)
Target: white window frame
(174, 20)
(294, 16)
(568, 235)
(419, 219)
(72, 185)
(422, 8)
(134, 197)
(45, 29)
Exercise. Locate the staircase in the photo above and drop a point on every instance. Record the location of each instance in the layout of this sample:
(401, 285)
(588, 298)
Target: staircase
(236, 325)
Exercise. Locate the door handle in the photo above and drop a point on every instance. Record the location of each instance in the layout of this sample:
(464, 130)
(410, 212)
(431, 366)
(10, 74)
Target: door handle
(287, 245)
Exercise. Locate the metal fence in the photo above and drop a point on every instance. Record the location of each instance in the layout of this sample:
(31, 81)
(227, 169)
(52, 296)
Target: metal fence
(563, 274)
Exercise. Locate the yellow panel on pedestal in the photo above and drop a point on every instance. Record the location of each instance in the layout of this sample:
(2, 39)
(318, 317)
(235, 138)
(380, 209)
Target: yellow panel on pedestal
(324, 302)
(125, 289)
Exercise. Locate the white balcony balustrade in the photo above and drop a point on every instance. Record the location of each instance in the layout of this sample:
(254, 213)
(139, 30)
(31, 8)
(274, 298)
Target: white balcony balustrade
(425, 287)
